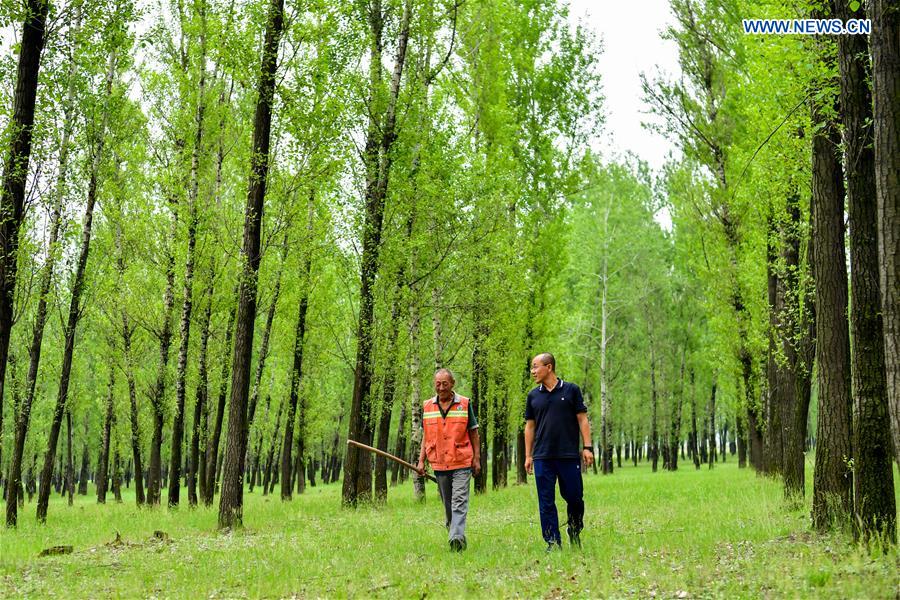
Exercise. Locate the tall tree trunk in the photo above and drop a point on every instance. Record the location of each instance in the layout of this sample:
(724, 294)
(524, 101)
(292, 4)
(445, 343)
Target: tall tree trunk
(23, 418)
(74, 316)
(804, 330)
(885, 41)
(15, 169)
(300, 459)
(480, 393)
(212, 446)
(210, 460)
(695, 455)
(70, 467)
(389, 387)
(414, 365)
(264, 345)
(675, 431)
(270, 455)
(103, 463)
(712, 424)
(296, 370)
(74, 306)
(787, 312)
(232, 498)
(127, 331)
(654, 435)
(187, 303)
(335, 468)
(157, 399)
(378, 158)
(832, 479)
(772, 450)
(117, 474)
(197, 471)
(84, 472)
(256, 457)
(874, 505)
(401, 437)
(500, 429)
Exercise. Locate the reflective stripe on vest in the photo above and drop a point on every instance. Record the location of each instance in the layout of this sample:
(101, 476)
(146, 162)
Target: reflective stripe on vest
(447, 444)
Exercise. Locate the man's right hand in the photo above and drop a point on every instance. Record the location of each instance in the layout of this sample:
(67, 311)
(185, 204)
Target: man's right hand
(420, 468)
(529, 465)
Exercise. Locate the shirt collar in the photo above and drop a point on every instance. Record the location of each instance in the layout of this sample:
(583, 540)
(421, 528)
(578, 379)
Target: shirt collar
(455, 399)
(559, 383)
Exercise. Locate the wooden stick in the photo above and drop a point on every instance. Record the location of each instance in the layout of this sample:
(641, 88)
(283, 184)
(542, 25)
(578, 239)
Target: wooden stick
(392, 457)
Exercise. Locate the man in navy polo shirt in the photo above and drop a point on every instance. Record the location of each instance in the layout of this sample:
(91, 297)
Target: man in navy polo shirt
(557, 442)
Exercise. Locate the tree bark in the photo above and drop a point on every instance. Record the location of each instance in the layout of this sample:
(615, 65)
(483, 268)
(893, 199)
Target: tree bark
(23, 418)
(256, 457)
(212, 446)
(500, 429)
(187, 303)
(479, 395)
(83, 474)
(232, 498)
(74, 306)
(159, 391)
(874, 503)
(832, 479)
(804, 330)
(378, 158)
(604, 318)
(15, 170)
(389, 387)
(415, 382)
(117, 475)
(885, 41)
(270, 455)
(712, 424)
(103, 463)
(69, 347)
(772, 448)
(653, 450)
(693, 451)
(197, 471)
(264, 347)
(675, 432)
(70, 467)
(296, 375)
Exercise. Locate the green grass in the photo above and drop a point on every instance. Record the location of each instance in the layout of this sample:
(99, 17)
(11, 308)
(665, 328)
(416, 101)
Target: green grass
(697, 534)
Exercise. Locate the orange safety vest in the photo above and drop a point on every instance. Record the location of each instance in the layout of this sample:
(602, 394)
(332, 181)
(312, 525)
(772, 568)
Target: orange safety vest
(447, 444)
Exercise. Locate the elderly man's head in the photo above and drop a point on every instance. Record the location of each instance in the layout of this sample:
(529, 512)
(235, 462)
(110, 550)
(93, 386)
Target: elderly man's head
(443, 384)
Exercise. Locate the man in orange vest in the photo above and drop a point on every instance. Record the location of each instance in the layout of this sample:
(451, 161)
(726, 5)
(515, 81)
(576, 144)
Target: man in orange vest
(452, 447)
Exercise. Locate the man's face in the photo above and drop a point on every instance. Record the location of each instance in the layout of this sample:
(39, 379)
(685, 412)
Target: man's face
(443, 385)
(539, 370)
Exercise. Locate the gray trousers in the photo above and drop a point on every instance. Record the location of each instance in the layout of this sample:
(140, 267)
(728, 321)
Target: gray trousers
(454, 488)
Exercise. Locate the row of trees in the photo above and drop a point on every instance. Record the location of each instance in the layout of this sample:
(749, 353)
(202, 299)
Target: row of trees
(786, 139)
(417, 191)
(394, 162)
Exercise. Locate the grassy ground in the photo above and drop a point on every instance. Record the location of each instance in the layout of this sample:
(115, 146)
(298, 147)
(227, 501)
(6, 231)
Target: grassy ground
(689, 534)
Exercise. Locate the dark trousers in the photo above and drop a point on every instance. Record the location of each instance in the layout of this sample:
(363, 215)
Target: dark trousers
(568, 472)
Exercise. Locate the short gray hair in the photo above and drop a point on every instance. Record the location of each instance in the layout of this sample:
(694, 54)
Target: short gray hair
(447, 372)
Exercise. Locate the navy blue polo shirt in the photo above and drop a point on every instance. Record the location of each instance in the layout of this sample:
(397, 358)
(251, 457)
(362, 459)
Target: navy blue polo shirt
(555, 415)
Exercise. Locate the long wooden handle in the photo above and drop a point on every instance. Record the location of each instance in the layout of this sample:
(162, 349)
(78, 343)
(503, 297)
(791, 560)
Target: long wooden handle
(390, 456)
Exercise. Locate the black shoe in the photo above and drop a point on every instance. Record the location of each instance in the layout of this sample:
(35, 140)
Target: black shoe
(554, 547)
(574, 536)
(457, 545)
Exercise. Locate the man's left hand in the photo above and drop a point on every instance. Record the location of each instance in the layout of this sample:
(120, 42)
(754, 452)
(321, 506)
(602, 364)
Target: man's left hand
(588, 457)
(476, 465)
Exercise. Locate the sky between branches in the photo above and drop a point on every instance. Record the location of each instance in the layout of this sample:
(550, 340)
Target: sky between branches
(632, 44)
